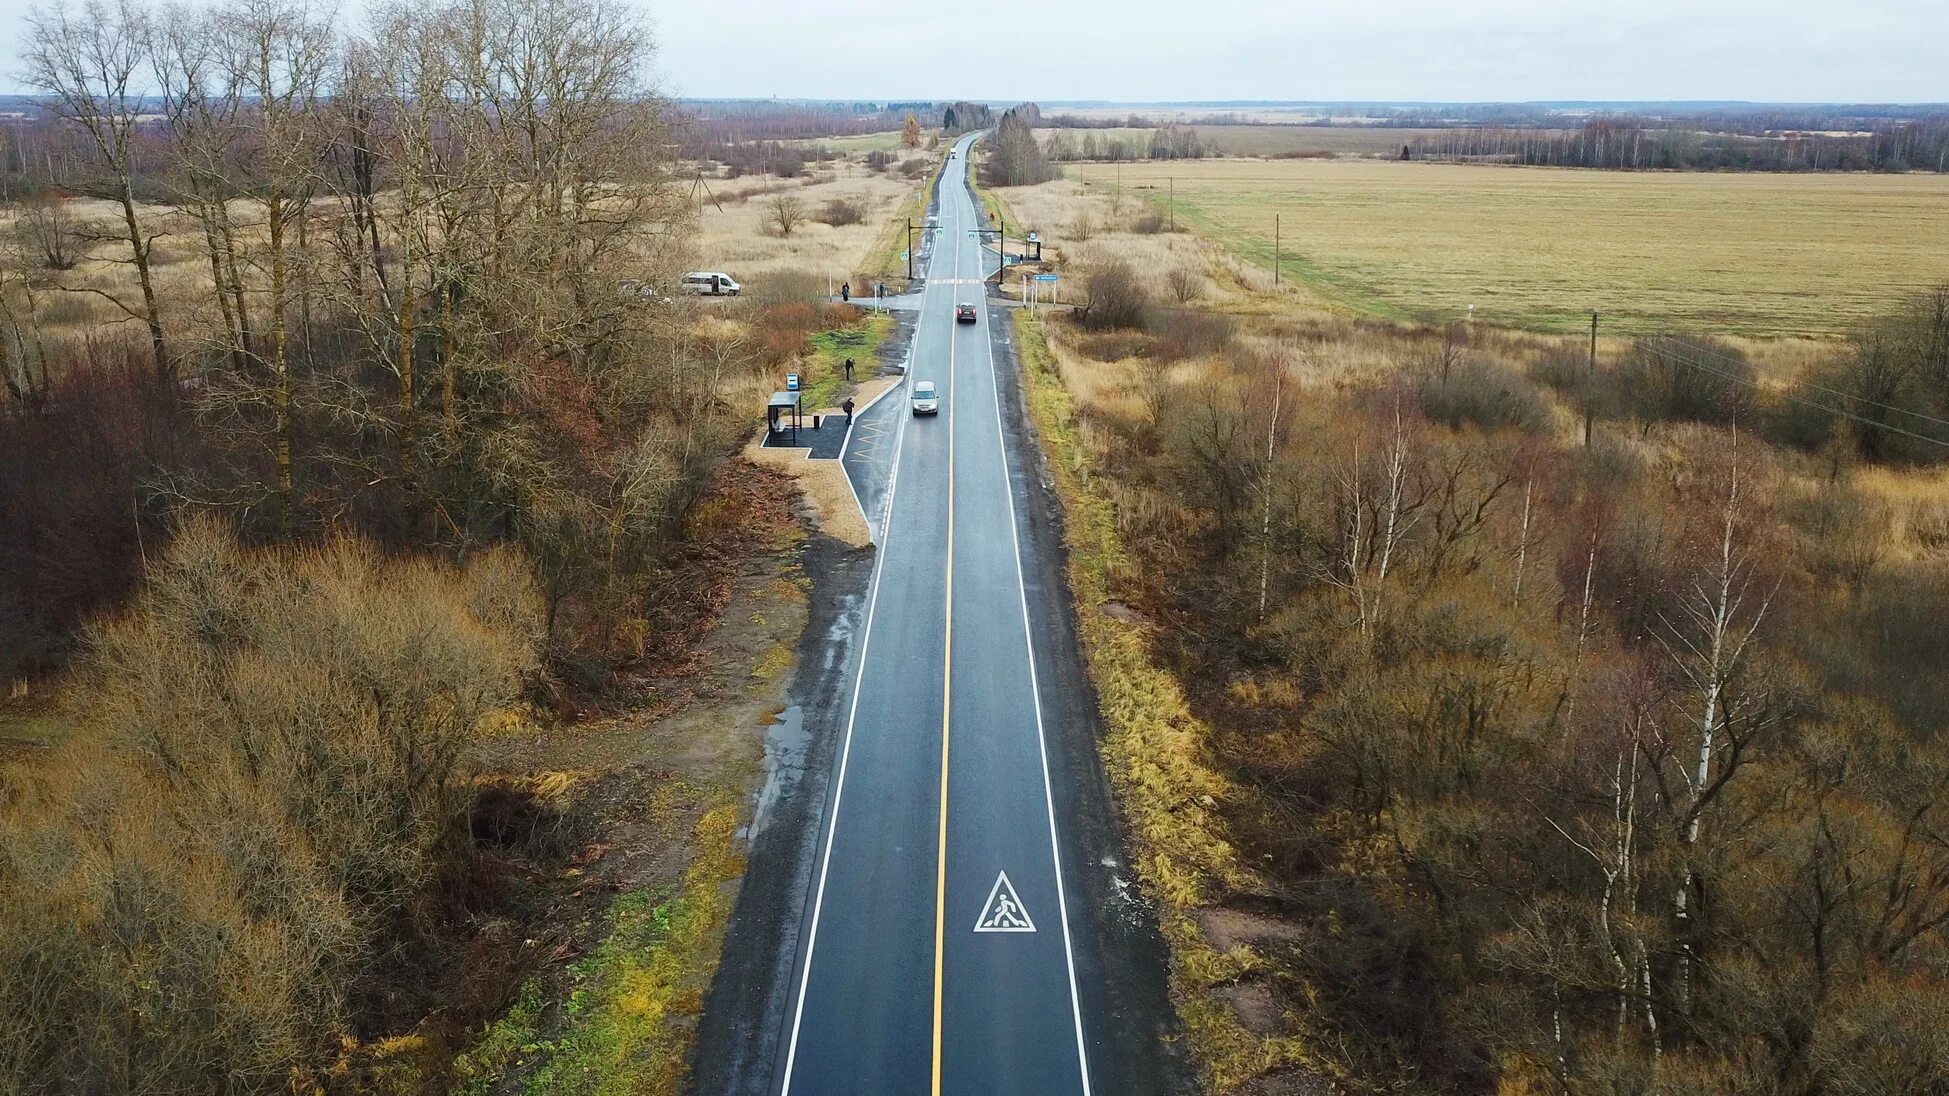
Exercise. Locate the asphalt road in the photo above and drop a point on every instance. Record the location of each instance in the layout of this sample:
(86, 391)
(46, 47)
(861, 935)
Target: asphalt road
(938, 901)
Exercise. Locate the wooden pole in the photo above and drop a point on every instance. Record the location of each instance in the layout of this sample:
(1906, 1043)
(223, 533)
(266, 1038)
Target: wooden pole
(1275, 250)
(1590, 391)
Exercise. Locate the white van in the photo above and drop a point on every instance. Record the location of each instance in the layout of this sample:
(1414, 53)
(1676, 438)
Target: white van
(710, 283)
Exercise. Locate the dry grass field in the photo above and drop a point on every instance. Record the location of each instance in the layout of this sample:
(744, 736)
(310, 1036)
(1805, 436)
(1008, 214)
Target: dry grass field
(1540, 248)
(1290, 116)
(1288, 140)
(861, 143)
(742, 240)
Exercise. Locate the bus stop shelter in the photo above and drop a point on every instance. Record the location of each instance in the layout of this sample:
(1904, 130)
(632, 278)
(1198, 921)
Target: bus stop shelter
(783, 416)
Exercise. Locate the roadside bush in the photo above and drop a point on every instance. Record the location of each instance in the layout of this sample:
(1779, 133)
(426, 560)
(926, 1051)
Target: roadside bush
(1186, 284)
(1484, 394)
(1112, 298)
(1601, 393)
(1687, 379)
(259, 810)
(1148, 224)
(1115, 345)
(878, 160)
(914, 168)
(1186, 334)
(1880, 380)
(842, 211)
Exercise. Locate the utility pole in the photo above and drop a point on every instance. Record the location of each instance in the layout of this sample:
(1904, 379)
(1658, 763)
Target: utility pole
(1275, 250)
(1116, 202)
(910, 249)
(1174, 204)
(1590, 378)
(1001, 249)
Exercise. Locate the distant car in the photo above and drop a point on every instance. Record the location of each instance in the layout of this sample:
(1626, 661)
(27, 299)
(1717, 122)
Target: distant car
(964, 313)
(926, 401)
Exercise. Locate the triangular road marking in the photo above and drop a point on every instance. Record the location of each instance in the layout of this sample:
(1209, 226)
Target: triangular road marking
(1003, 912)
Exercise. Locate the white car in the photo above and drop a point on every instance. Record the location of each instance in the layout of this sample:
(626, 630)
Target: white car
(926, 401)
(711, 283)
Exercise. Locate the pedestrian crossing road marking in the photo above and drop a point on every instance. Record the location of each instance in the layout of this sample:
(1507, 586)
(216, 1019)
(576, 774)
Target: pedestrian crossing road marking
(1003, 911)
(958, 281)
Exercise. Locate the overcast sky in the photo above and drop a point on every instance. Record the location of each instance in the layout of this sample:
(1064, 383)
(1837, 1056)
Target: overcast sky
(1149, 50)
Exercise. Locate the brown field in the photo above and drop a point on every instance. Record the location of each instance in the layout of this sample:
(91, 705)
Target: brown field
(1539, 248)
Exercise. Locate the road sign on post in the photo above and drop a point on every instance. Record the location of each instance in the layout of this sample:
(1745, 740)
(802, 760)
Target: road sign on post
(791, 382)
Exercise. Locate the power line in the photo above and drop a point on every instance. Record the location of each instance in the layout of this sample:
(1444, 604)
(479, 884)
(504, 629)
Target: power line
(1701, 366)
(1722, 356)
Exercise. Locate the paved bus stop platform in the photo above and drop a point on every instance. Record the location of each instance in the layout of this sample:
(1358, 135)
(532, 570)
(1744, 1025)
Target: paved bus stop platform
(824, 443)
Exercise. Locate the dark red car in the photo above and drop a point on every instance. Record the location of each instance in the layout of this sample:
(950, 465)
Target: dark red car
(964, 313)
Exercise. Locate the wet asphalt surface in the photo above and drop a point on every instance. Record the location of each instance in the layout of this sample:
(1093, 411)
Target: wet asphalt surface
(936, 897)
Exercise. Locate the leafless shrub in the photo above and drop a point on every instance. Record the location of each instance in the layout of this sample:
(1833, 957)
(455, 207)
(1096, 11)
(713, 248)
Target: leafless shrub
(1484, 394)
(1186, 284)
(1112, 297)
(1148, 223)
(1115, 345)
(1183, 334)
(47, 232)
(785, 213)
(914, 168)
(265, 789)
(843, 211)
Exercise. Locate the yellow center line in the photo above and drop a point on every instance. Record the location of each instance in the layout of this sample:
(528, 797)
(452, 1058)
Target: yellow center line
(947, 692)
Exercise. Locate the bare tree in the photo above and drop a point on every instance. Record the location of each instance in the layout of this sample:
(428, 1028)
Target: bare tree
(92, 67)
(23, 361)
(276, 54)
(1719, 615)
(1186, 284)
(205, 128)
(785, 213)
(46, 231)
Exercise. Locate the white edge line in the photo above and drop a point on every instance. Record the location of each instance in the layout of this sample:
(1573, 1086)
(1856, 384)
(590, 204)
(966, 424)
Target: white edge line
(1041, 740)
(846, 747)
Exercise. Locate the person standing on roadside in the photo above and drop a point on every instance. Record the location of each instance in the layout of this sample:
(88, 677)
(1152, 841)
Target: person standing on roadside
(846, 292)
(849, 369)
(848, 408)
